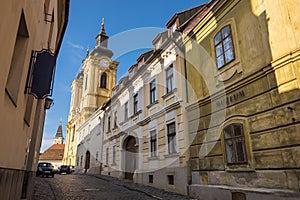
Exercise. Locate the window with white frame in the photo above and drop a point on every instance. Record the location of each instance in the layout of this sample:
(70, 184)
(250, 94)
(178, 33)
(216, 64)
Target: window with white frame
(103, 124)
(126, 111)
(153, 143)
(108, 123)
(171, 135)
(224, 46)
(152, 91)
(116, 119)
(169, 79)
(135, 103)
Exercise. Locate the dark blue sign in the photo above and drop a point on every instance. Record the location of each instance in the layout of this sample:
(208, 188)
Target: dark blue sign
(41, 80)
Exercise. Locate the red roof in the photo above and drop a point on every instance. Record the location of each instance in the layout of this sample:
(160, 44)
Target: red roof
(55, 152)
(57, 146)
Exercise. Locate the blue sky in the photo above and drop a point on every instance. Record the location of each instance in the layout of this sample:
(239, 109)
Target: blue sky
(84, 24)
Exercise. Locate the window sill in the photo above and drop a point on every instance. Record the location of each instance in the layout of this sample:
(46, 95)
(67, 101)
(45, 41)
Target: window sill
(153, 158)
(107, 132)
(123, 122)
(228, 71)
(172, 155)
(169, 93)
(240, 168)
(115, 128)
(136, 114)
(152, 104)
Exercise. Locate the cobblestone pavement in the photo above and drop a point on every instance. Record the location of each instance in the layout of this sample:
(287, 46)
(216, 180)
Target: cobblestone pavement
(83, 187)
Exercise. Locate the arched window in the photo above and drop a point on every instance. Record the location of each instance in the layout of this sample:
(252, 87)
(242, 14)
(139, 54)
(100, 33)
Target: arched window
(103, 80)
(235, 144)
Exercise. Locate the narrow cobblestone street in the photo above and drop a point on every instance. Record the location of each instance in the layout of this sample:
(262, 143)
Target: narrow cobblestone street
(95, 187)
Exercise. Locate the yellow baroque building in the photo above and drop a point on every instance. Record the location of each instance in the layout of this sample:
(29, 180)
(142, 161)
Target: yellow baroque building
(31, 34)
(91, 88)
(243, 80)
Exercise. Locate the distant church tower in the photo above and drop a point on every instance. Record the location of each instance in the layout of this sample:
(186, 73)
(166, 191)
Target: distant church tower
(59, 139)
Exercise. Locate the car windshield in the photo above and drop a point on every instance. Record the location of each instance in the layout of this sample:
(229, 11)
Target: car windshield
(45, 165)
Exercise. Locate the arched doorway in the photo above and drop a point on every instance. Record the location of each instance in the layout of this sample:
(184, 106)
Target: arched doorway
(87, 161)
(130, 156)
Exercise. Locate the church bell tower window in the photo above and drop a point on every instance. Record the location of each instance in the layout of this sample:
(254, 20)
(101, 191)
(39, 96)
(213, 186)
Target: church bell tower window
(103, 80)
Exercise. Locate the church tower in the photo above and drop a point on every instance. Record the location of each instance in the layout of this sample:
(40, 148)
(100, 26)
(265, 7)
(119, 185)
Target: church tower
(99, 75)
(59, 139)
(91, 88)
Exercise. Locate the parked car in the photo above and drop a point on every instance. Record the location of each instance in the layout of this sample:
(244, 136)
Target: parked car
(64, 169)
(72, 169)
(45, 169)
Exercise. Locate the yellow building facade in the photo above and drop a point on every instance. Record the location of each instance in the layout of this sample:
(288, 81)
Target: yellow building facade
(26, 28)
(243, 73)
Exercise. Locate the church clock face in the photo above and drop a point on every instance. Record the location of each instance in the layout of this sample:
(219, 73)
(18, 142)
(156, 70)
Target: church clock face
(104, 63)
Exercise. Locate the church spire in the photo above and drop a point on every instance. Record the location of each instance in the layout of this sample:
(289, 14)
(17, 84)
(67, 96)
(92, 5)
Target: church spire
(102, 38)
(102, 28)
(87, 51)
(59, 135)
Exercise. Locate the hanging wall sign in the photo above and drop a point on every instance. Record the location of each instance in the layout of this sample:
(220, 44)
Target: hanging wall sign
(41, 74)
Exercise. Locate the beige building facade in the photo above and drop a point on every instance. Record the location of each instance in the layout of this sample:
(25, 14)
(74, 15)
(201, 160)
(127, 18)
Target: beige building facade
(243, 71)
(26, 28)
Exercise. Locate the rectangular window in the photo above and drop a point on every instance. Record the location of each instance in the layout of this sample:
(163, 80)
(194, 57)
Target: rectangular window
(116, 120)
(235, 144)
(28, 110)
(77, 161)
(114, 154)
(150, 178)
(135, 103)
(170, 179)
(171, 129)
(107, 155)
(126, 111)
(152, 92)
(103, 124)
(108, 124)
(153, 143)
(170, 79)
(224, 46)
(17, 63)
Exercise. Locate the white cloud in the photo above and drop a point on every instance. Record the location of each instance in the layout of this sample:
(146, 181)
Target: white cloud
(76, 46)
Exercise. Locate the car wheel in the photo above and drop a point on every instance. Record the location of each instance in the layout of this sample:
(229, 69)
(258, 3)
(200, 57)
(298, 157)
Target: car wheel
(52, 176)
